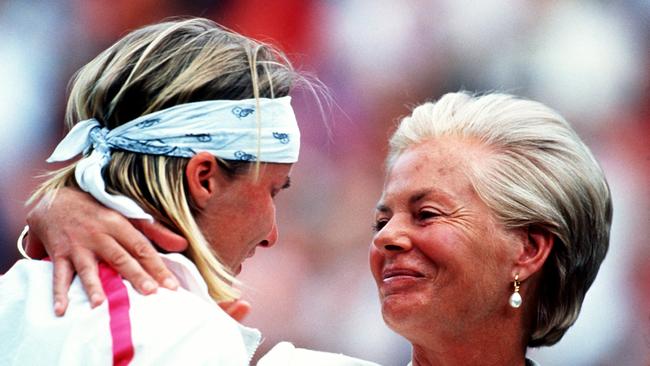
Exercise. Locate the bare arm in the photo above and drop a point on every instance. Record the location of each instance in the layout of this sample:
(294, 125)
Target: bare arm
(77, 232)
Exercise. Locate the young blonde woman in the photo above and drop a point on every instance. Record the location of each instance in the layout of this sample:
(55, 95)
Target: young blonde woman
(190, 125)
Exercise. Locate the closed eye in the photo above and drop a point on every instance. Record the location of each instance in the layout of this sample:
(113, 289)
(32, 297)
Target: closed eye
(379, 224)
(286, 185)
(426, 215)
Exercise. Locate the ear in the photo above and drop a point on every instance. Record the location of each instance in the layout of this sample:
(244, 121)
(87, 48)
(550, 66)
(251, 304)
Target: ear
(537, 244)
(203, 178)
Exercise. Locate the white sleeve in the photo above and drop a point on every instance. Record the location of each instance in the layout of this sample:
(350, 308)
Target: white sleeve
(286, 354)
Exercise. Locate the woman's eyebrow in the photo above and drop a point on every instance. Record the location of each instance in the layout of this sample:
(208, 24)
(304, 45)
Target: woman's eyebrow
(418, 196)
(382, 208)
(439, 195)
(413, 199)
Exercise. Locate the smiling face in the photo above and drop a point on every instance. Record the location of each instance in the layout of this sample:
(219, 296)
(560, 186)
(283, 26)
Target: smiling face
(241, 216)
(441, 261)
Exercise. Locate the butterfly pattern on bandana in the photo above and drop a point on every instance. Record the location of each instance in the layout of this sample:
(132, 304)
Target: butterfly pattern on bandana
(243, 111)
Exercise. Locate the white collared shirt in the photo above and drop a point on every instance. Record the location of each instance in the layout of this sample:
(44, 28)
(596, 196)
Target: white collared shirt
(168, 328)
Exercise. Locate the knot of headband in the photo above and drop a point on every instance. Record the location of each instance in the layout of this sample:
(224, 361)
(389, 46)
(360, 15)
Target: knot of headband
(228, 129)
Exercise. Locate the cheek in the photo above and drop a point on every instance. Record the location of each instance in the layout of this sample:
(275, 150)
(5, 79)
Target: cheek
(259, 209)
(262, 216)
(439, 244)
(376, 260)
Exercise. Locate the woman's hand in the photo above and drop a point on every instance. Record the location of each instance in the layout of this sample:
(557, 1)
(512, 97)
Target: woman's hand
(77, 232)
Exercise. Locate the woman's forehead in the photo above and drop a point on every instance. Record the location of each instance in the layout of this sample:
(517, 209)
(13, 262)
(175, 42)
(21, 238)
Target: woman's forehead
(430, 170)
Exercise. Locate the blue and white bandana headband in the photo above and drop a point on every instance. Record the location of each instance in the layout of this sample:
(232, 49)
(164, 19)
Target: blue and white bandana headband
(227, 129)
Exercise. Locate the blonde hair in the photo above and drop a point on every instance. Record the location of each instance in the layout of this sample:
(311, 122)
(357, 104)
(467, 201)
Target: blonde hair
(542, 175)
(156, 67)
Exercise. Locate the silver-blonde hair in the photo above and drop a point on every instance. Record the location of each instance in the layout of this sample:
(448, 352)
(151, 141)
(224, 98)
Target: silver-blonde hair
(540, 175)
(156, 67)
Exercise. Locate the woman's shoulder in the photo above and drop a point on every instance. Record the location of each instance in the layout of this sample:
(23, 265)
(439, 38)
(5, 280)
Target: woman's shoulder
(170, 326)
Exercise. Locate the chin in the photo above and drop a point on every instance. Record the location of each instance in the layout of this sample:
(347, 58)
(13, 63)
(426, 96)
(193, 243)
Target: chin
(399, 310)
(406, 321)
(400, 323)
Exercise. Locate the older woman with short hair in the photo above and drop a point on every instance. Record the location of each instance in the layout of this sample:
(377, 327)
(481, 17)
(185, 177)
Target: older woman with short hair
(491, 228)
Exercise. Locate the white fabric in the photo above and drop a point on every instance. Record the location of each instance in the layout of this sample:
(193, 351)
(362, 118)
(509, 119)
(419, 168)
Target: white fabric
(285, 353)
(229, 129)
(168, 328)
(181, 327)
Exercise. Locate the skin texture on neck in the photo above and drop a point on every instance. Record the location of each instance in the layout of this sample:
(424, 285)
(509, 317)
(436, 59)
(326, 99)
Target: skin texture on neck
(502, 341)
(499, 344)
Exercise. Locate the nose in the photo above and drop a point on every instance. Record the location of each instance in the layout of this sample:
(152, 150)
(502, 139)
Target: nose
(271, 238)
(393, 237)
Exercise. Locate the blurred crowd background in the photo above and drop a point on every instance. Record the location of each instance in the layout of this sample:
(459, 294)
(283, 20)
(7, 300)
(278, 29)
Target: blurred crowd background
(379, 58)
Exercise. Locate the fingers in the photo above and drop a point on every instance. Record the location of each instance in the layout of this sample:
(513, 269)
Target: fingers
(162, 236)
(149, 258)
(237, 309)
(128, 263)
(63, 273)
(76, 231)
(85, 263)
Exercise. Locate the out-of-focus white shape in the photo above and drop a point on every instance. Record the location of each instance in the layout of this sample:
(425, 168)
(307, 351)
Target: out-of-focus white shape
(382, 43)
(485, 42)
(16, 93)
(29, 64)
(585, 61)
(477, 30)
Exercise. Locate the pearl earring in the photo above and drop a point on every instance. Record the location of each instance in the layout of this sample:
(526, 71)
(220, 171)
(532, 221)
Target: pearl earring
(515, 298)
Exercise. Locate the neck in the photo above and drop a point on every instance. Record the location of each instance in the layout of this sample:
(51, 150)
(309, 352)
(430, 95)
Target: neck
(491, 344)
(424, 357)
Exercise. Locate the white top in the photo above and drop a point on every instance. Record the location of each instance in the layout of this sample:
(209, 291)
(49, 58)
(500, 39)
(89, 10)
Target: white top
(168, 328)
